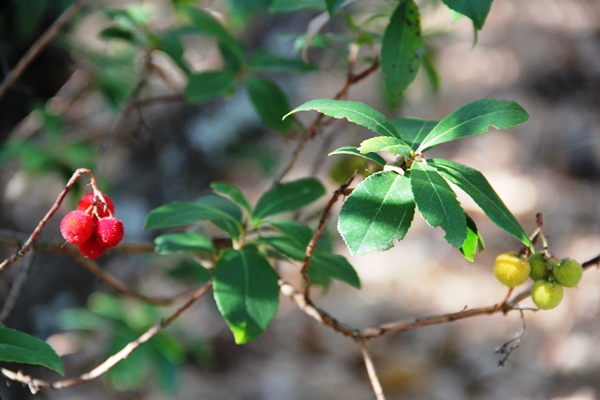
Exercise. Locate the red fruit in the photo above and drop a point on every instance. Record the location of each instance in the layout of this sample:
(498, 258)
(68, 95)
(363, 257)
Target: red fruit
(77, 227)
(92, 248)
(87, 201)
(109, 231)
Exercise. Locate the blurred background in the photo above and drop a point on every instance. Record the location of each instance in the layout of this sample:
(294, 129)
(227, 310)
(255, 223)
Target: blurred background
(70, 110)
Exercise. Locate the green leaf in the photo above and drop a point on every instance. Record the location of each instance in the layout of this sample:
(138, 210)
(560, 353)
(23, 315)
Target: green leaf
(230, 215)
(116, 32)
(270, 102)
(474, 241)
(265, 61)
(232, 193)
(473, 183)
(21, 348)
(206, 24)
(286, 246)
(177, 214)
(356, 112)
(437, 203)
(400, 48)
(334, 266)
(246, 292)
(295, 5)
(299, 233)
(333, 5)
(288, 196)
(380, 209)
(351, 150)
(384, 143)
(476, 10)
(208, 85)
(209, 207)
(182, 242)
(475, 118)
(413, 130)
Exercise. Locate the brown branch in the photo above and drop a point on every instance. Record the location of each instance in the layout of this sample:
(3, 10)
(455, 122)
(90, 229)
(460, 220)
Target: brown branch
(93, 267)
(14, 239)
(29, 242)
(377, 389)
(36, 385)
(38, 46)
(306, 305)
(310, 248)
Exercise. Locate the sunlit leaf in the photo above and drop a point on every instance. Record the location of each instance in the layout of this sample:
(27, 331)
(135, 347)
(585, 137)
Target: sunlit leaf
(477, 186)
(379, 210)
(351, 150)
(437, 203)
(356, 112)
(475, 118)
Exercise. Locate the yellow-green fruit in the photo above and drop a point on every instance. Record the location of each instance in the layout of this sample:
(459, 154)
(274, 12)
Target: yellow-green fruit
(567, 272)
(511, 269)
(539, 266)
(546, 295)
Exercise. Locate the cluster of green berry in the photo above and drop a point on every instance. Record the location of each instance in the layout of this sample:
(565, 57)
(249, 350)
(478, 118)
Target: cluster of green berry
(549, 275)
(92, 226)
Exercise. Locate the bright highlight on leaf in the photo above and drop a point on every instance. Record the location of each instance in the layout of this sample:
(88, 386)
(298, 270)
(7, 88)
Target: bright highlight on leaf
(379, 210)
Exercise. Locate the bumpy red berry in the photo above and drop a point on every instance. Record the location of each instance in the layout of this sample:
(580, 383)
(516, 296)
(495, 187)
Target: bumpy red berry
(92, 248)
(109, 231)
(87, 201)
(77, 227)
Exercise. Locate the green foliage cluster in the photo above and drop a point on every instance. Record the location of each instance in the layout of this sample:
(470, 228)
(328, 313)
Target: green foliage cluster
(379, 210)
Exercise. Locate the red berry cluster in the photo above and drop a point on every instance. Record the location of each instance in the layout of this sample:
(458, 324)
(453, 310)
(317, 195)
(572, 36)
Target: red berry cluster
(92, 227)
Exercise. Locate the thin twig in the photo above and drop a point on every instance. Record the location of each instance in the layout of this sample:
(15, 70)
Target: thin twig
(377, 389)
(36, 385)
(17, 286)
(38, 46)
(29, 242)
(93, 267)
(310, 248)
(507, 348)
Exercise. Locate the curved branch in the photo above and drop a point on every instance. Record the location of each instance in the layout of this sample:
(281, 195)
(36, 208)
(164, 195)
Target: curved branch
(38, 46)
(36, 385)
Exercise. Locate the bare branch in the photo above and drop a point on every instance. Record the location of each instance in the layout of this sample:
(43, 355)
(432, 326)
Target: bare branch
(310, 248)
(379, 395)
(38, 46)
(36, 385)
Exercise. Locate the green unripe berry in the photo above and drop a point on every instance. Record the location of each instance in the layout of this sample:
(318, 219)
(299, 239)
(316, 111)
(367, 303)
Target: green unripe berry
(546, 295)
(511, 269)
(539, 265)
(568, 272)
